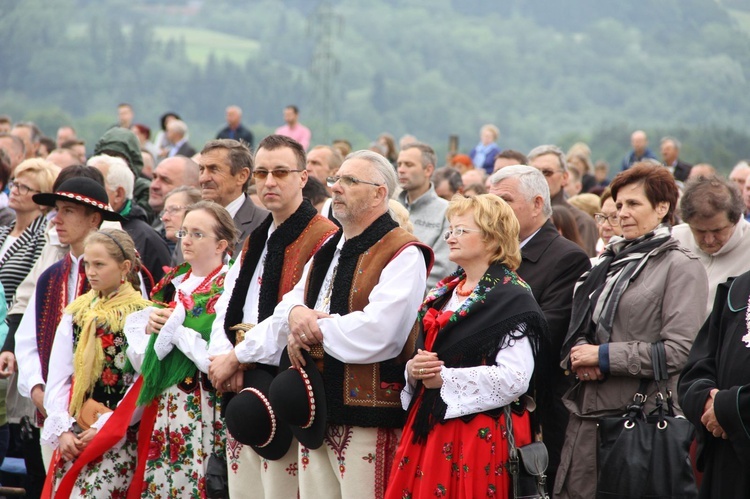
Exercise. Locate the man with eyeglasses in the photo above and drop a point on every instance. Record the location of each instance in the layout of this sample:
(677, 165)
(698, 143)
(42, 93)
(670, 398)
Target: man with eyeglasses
(416, 163)
(550, 160)
(551, 265)
(225, 167)
(354, 310)
(271, 263)
(714, 230)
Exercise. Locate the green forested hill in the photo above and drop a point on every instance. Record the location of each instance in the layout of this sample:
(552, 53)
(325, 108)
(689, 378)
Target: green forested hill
(542, 70)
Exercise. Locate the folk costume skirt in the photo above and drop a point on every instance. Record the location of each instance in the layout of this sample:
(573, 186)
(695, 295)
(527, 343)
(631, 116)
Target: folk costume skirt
(458, 460)
(181, 441)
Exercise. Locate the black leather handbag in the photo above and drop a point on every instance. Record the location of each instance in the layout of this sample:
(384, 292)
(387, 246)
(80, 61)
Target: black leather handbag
(646, 455)
(527, 465)
(217, 480)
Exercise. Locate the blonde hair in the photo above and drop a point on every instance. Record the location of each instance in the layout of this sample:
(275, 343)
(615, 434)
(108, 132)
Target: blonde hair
(586, 201)
(44, 172)
(498, 223)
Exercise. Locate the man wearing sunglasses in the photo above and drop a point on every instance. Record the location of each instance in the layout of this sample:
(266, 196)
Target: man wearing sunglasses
(225, 167)
(354, 310)
(270, 264)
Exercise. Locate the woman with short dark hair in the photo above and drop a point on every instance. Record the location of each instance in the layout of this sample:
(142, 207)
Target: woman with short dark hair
(645, 288)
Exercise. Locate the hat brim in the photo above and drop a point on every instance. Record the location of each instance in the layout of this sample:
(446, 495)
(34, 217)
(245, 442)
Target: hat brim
(237, 416)
(311, 437)
(50, 198)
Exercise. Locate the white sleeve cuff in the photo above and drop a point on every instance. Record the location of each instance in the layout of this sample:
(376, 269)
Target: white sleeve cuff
(55, 425)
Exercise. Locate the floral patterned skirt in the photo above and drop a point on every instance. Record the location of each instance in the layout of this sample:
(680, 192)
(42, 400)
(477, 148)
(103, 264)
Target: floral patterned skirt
(181, 442)
(108, 476)
(458, 460)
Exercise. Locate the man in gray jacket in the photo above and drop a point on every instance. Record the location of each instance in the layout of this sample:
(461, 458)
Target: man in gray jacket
(416, 162)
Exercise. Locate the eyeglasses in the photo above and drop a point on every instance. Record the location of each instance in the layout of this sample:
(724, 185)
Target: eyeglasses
(277, 174)
(549, 173)
(195, 235)
(457, 232)
(172, 210)
(22, 189)
(348, 181)
(612, 219)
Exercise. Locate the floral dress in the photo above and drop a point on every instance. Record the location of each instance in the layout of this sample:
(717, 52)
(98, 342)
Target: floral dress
(465, 453)
(181, 425)
(108, 475)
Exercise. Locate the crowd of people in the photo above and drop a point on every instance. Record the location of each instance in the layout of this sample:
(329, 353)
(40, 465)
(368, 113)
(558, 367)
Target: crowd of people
(285, 319)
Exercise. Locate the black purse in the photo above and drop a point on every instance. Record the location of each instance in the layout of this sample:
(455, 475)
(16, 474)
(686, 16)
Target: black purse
(646, 455)
(527, 465)
(217, 481)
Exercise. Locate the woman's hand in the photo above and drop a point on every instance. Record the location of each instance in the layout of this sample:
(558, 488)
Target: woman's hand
(70, 446)
(157, 319)
(584, 356)
(425, 366)
(86, 437)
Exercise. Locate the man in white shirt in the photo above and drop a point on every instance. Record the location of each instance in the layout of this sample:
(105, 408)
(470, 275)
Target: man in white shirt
(225, 167)
(355, 308)
(270, 264)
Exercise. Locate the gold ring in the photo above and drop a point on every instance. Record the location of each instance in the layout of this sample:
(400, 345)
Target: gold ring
(585, 375)
(421, 371)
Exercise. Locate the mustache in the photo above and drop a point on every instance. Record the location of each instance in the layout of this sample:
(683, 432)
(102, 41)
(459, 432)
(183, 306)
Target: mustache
(208, 185)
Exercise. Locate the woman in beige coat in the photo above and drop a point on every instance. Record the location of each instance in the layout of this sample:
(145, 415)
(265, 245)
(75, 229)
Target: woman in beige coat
(644, 288)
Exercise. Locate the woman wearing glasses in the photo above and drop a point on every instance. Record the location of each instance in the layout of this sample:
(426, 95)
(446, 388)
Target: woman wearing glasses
(168, 344)
(481, 329)
(22, 241)
(645, 288)
(607, 221)
(175, 204)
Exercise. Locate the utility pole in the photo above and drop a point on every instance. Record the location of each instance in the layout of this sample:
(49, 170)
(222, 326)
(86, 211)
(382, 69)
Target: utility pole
(324, 25)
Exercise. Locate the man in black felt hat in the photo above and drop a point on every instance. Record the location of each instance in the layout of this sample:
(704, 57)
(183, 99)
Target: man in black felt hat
(270, 264)
(81, 205)
(354, 309)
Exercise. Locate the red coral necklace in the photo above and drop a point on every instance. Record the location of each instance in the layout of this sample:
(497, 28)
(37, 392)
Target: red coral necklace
(203, 287)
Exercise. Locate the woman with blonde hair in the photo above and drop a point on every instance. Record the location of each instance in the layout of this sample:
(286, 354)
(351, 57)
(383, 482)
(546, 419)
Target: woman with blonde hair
(22, 241)
(480, 330)
(89, 371)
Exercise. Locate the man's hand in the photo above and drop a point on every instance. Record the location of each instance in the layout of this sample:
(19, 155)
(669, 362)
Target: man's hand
(7, 364)
(70, 446)
(305, 332)
(222, 368)
(37, 396)
(157, 318)
(709, 417)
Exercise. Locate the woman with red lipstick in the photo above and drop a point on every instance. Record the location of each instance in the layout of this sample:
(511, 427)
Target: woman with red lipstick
(645, 288)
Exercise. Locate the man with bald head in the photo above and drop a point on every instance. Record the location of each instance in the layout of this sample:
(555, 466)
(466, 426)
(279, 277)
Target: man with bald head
(235, 129)
(167, 176)
(30, 134)
(64, 157)
(640, 152)
(322, 162)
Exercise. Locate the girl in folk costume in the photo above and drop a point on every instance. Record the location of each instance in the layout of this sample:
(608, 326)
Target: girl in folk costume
(481, 328)
(180, 427)
(89, 371)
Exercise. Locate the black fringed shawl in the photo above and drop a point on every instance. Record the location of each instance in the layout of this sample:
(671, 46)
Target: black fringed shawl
(485, 323)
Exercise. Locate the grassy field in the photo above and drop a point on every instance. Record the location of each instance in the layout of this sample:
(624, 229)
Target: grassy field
(199, 43)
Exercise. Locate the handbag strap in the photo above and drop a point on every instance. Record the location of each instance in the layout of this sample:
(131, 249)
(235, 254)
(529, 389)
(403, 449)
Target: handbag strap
(659, 361)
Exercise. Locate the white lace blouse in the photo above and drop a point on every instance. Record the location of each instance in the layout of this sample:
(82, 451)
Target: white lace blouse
(469, 390)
